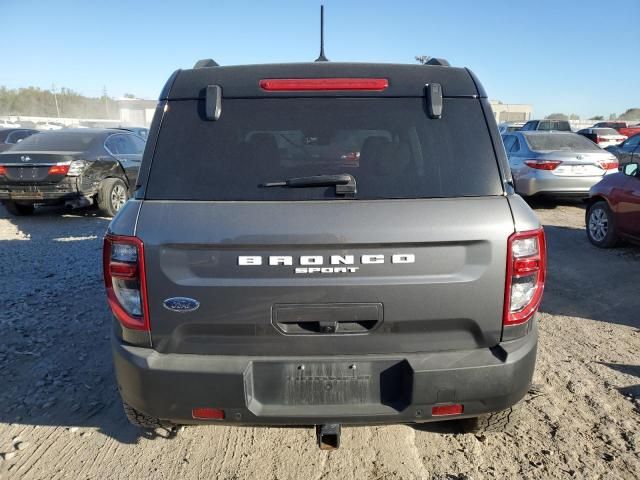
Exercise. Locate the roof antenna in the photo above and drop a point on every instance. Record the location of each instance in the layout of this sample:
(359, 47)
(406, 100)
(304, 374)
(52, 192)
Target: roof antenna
(322, 58)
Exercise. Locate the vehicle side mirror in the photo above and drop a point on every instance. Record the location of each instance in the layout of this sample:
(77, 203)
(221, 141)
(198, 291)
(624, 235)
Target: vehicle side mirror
(631, 169)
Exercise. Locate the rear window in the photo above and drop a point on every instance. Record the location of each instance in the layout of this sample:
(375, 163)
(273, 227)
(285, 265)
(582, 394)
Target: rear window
(559, 125)
(565, 141)
(389, 145)
(56, 141)
(606, 131)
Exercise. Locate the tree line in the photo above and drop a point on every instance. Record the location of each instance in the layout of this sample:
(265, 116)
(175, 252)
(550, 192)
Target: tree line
(33, 101)
(631, 115)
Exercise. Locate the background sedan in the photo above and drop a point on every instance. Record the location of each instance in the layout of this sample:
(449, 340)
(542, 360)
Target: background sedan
(603, 137)
(74, 168)
(628, 151)
(614, 208)
(556, 163)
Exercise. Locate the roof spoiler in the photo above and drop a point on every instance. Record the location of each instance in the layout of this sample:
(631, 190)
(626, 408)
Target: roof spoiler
(206, 63)
(442, 62)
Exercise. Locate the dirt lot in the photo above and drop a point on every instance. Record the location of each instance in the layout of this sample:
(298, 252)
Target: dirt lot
(60, 415)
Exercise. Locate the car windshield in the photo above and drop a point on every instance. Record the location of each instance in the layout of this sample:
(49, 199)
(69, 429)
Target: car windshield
(390, 146)
(541, 142)
(56, 141)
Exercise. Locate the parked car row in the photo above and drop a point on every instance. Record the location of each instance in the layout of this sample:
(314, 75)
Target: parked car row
(567, 164)
(623, 128)
(604, 134)
(49, 125)
(70, 167)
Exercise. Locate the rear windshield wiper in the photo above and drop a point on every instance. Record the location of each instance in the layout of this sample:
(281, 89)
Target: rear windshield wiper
(345, 184)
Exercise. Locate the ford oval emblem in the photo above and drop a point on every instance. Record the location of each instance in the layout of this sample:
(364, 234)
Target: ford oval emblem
(181, 304)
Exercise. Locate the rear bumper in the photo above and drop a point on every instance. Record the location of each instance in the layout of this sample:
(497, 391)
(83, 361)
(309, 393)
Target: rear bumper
(66, 189)
(277, 391)
(547, 183)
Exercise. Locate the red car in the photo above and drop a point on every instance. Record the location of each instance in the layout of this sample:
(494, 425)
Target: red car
(613, 213)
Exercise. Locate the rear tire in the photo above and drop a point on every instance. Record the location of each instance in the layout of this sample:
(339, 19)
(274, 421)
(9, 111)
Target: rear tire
(112, 195)
(144, 421)
(497, 422)
(19, 209)
(600, 225)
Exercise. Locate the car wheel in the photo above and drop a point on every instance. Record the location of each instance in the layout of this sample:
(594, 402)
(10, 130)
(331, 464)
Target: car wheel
(20, 209)
(600, 225)
(141, 420)
(112, 196)
(497, 422)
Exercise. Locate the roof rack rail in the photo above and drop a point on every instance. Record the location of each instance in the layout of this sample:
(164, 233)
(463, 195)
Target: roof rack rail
(205, 63)
(438, 61)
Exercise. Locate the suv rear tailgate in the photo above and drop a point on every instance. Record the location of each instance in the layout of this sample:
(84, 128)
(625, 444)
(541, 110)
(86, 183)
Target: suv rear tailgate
(450, 297)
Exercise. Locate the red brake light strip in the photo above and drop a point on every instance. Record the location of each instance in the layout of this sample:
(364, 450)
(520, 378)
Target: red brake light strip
(323, 84)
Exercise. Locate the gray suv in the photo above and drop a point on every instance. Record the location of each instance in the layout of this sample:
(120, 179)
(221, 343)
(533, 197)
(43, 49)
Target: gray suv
(324, 244)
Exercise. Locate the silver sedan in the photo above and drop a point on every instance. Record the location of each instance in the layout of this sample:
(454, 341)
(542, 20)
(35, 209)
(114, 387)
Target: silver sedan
(556, 163)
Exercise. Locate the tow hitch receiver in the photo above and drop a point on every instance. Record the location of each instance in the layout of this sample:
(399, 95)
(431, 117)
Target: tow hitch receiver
(328, 436)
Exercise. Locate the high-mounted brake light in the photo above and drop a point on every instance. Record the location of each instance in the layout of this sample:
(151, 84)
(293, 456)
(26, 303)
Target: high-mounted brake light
(323, 84)
(125, 280)
(543, 164)
(526, 270)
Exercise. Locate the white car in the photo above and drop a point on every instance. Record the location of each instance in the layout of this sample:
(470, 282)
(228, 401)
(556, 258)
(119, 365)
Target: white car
(604, 137)
(508, 127)
(49, 126)
(9, 124)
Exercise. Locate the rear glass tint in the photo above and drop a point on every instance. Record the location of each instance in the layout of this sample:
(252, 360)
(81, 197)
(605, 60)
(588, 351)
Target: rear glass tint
(606, 131)
(554, 125)
(56, 141)
(563, 141)
(389, 145)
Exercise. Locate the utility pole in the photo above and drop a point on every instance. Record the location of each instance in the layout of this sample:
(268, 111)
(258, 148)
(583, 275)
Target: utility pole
(106, 100)
(55, 98)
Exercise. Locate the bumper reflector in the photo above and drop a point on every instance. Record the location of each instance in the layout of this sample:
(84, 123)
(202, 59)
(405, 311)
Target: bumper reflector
(207, 413)
(442, 410)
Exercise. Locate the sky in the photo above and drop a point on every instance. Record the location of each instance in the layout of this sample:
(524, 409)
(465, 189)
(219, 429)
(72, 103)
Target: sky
(565, 56)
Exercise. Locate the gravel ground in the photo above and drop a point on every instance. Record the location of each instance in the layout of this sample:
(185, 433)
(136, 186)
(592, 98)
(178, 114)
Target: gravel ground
(60, 415)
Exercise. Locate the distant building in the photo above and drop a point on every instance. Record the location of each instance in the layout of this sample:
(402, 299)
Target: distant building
(511, 112)
(136, 112)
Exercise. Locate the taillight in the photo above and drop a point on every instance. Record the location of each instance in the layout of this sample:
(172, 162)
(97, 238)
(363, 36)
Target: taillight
(76, 168)
(323, 84)
(608, 164)
(3, 170)
(599, 139)
(350, 157)
(526, 267)
(125, 282)
(59, 169)
(543, 164)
